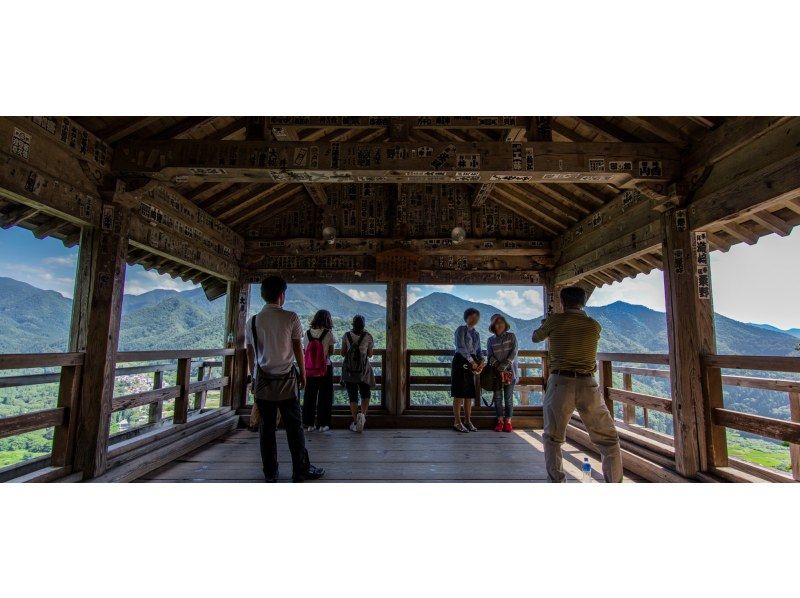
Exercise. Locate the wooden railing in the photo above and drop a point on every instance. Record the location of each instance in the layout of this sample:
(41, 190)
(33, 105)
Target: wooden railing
(629, 399)
(722, 418)
(61, 417)
(415, 359)
(184, 387)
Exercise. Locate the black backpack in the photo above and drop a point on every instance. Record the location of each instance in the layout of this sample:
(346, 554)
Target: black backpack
(354, 366)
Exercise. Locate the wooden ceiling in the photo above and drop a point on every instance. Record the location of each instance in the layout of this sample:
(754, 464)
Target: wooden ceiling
(554, 209)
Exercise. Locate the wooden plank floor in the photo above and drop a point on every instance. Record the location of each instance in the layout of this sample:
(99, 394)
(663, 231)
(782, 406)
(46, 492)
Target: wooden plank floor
(381, 455)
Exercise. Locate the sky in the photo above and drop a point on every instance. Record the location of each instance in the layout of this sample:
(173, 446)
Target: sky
(751, 283)
(47, 264)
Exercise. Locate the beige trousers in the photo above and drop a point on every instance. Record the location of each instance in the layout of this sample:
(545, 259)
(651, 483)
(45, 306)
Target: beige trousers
(565, 394)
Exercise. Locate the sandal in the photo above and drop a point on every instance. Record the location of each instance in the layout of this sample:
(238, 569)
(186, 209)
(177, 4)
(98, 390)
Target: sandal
(460, 428)
(471, 428)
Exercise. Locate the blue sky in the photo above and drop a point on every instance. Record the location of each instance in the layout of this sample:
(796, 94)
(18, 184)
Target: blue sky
(758, 283)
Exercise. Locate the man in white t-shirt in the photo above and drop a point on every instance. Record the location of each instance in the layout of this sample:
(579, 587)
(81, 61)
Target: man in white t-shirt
(275, 358)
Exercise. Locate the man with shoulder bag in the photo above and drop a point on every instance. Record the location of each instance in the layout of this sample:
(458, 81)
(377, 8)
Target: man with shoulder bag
(275, 358)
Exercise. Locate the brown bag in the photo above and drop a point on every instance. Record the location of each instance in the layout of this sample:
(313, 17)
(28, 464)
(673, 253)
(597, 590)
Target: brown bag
(255, 418)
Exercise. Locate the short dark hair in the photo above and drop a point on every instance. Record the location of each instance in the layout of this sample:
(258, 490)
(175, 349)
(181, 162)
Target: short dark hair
(470, 311)
(358, 324)
(322, 319)
(573, 297)
(272, 287)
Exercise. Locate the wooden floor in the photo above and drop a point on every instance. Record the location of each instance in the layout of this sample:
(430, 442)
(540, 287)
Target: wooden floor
(383, 456)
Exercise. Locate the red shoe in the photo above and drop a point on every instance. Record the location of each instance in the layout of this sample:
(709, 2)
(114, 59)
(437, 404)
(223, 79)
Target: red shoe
(508, 427)
(499, 426)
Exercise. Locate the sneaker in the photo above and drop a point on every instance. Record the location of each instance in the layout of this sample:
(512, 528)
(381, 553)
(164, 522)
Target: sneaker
(508, 427)
(499, 426)
(312, 473)
(361, 421)
(323, 429)
(353, 427)
(310, 428)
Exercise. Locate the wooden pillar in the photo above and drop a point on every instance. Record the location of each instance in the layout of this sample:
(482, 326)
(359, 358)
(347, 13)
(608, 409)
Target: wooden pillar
(396, 374)
(628, 411)
(690, 328)
(235, 367)
(794, 448)
(101, 286)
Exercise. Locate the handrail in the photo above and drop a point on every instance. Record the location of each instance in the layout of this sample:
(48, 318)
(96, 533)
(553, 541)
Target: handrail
(21, 361)
(127, 356)
(427, 382)
(766, 363)
(657, 358)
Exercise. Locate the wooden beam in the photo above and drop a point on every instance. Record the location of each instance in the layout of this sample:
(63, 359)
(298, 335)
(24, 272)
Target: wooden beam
(746, 182)
(606, 127)
(730, 137)
(690, 329)
(659, 127)
(106, 280)
(771, 222)
(396, 374)
(235, 366)
(484, 161)
(128, 127)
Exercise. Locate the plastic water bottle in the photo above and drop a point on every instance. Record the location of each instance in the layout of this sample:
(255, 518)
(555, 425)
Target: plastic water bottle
(586, 470)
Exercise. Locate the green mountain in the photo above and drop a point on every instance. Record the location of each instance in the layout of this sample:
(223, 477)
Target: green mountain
(34, 320)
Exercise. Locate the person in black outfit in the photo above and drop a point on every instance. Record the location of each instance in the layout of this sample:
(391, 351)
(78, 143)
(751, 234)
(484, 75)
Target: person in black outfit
(275, 358)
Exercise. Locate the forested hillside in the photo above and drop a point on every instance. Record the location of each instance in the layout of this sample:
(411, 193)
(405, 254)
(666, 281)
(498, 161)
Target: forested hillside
(34, 320)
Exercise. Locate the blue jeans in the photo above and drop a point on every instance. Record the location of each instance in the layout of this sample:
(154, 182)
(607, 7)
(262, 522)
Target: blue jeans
(501, 397)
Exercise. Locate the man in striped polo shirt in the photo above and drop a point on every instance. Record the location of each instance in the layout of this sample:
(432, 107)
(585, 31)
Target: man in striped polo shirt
(573, 361)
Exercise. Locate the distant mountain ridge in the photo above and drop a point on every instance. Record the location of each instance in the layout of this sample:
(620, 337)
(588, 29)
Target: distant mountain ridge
(35, 320)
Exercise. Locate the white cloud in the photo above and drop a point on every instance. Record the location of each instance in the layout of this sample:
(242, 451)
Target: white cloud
(368, 296)
(62, 260)
(41, 278)
(445, 288)
(414, 294)
(528, 305)
(143, 281)
(645, 289)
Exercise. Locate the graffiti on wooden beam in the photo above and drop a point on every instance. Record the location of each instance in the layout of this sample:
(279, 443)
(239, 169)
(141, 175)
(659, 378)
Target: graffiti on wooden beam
(398, 161)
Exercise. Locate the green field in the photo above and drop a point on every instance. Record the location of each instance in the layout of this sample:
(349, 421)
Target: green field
(774, 455)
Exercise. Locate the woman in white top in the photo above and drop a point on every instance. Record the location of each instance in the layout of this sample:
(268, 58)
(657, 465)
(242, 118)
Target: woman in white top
(357, 375)
(318, 345)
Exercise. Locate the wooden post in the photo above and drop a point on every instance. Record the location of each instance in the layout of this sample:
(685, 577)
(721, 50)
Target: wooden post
(235, 366)
(606, 380)
(69, 387)
(396, 373)
(200, 397)
(794, 448)
(99, 332)
(182, 381)
(690, 329)
(628, 411)
(157, 409)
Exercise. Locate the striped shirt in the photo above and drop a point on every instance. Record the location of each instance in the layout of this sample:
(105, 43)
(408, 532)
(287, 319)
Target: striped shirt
(468, 342)
(503, 350)
(573, 340)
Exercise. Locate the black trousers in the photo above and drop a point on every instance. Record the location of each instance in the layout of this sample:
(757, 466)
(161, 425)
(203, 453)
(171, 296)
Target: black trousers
(318, 399)
(290, 415)
(354, 389)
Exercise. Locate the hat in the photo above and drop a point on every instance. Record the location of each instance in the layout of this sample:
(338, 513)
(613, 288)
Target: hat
(493, 321)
